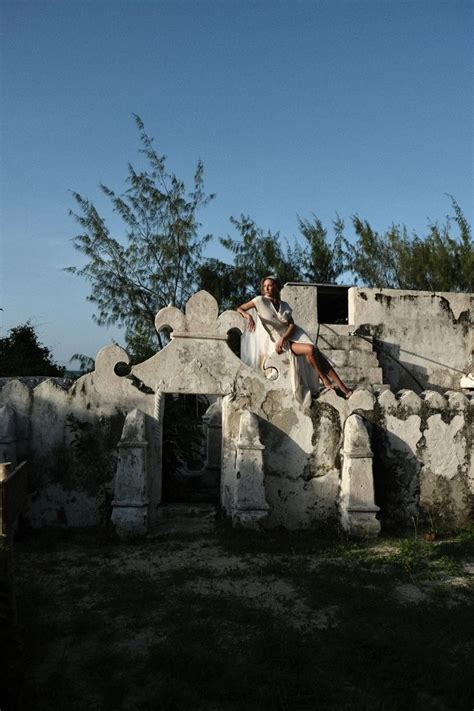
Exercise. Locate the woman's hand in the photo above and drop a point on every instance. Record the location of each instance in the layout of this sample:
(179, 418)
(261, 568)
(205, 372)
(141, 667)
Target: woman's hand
(279, 345)
(243, 311)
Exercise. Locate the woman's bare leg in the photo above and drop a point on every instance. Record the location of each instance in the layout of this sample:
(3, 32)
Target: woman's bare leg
(322, 366)
(307, 350)
(331, 373)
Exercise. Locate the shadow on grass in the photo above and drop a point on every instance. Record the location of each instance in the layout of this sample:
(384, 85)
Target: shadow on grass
(111, 639)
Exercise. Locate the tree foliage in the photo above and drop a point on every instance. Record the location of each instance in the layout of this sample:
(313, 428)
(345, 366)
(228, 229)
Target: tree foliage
(320, 260)
(393, 259)
(438, 262)
(22, 354)
(257, 253)
(158, 259)
(153, 263)
(86, 363)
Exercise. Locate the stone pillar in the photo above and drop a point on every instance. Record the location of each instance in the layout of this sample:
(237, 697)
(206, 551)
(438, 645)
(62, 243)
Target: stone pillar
(130, 504)
(356, 502)
(250, 507)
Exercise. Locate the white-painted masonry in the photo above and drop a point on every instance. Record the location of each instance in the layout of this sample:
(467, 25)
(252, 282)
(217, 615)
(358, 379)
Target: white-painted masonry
(95, 449)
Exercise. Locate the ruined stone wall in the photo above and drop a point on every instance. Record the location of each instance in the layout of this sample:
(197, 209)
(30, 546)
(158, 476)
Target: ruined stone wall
(286, 432)
(421, 445)
(69, 436)
(430, 333)
(424, 465)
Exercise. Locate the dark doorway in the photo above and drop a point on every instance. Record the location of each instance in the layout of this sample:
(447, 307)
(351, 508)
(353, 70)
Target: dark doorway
(333, 306)
(191, 453)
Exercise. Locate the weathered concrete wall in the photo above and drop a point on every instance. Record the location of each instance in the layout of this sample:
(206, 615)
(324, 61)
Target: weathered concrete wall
(424, 467)
(71, 449)
(421, 445)
(431, 334)
(303, 299)
(71, 436)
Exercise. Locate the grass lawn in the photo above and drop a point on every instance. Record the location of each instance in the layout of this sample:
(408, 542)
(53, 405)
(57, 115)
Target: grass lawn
(207, 617)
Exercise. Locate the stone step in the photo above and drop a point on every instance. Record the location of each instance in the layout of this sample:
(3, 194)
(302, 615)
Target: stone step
(328, 338)
(174, 511)
(346, 343)
(351, 358)
(360, 376)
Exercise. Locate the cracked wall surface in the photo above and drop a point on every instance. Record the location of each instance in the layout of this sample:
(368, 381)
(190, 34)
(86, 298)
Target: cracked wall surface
(430, 333)
(423, 459)
(423, 466)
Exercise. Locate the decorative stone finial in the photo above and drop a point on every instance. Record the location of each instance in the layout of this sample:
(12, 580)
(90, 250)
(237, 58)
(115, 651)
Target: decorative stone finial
(201, 319)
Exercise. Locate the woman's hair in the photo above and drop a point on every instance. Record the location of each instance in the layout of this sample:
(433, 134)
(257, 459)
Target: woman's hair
(274, 279)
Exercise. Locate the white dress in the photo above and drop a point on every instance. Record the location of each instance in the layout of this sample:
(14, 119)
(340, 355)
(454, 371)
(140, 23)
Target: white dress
(270, 325)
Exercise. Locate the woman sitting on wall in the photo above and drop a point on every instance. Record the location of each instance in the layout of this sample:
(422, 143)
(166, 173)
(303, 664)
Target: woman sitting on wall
(275, 325)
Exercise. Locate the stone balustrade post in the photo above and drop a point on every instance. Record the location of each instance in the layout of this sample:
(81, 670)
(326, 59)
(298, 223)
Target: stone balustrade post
(250, 504)
(131, 501)
(356, 502)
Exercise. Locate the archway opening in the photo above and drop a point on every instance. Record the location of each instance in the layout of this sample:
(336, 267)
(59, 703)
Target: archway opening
(191, 449)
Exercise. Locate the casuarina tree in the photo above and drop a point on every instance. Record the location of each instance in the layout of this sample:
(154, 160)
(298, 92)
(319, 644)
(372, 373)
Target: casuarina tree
(153, 261)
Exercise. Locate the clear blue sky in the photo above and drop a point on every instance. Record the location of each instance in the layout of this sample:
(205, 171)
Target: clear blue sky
(361, 106)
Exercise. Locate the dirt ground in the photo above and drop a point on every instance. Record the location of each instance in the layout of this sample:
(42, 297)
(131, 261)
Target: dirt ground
(201, 616)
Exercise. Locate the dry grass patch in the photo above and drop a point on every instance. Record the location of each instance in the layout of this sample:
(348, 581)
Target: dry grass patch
(227, 620)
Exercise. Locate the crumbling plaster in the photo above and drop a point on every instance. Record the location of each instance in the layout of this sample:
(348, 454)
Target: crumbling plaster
(422, 445)
(424, 463)
(431, 333)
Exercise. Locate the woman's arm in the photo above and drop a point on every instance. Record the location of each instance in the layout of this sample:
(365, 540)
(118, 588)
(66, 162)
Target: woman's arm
(279, 345)
(242, 310)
